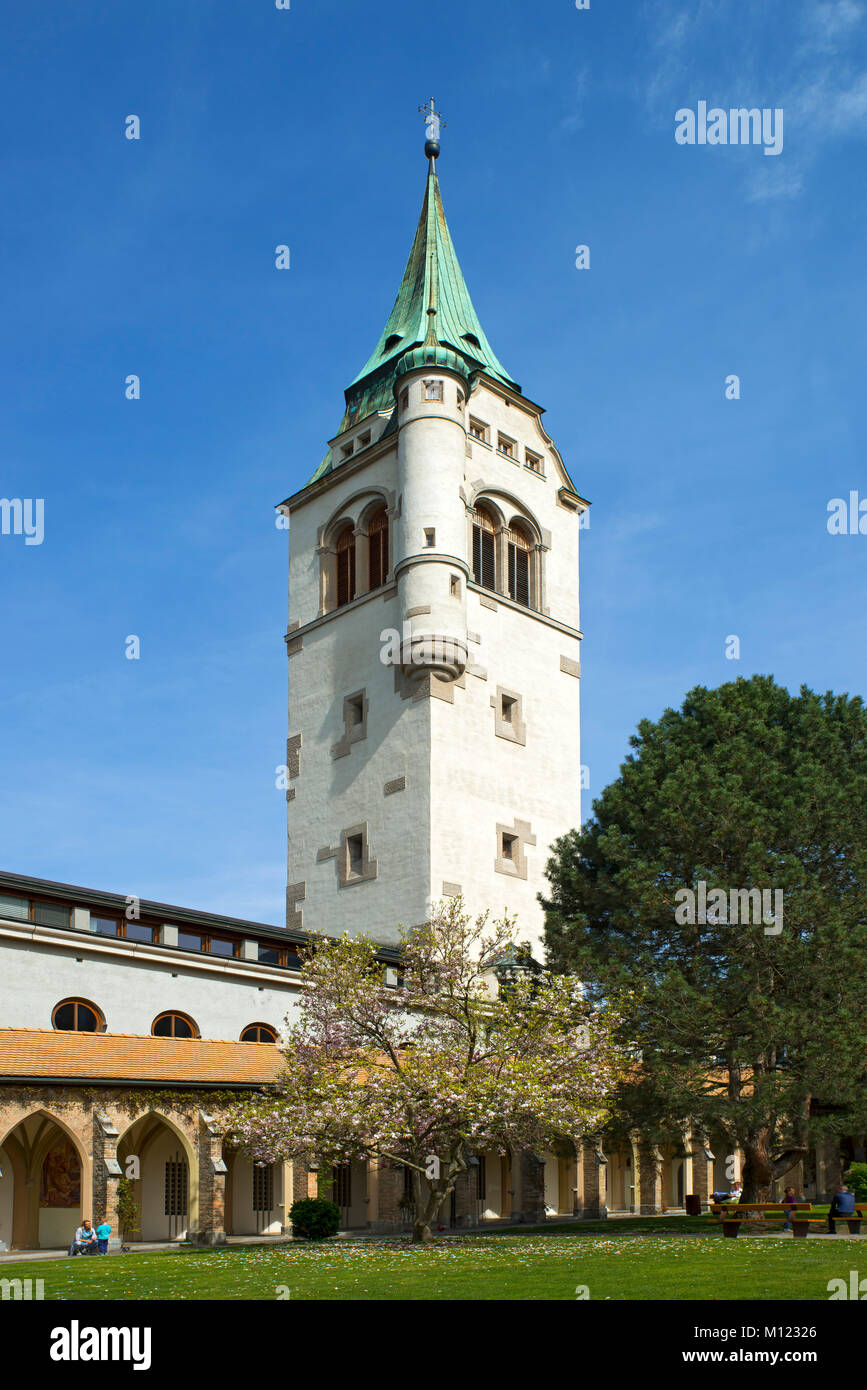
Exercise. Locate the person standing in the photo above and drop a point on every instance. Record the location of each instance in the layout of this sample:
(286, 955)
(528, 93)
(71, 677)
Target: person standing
(103, 1231)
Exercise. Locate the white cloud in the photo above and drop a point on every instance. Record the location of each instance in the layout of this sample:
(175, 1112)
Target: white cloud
(808, 57)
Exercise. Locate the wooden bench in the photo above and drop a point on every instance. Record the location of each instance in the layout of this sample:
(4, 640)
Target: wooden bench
(732, 1214)
(801, 1225)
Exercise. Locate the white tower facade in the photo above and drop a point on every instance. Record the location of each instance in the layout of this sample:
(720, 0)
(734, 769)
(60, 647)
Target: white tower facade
(434, 638)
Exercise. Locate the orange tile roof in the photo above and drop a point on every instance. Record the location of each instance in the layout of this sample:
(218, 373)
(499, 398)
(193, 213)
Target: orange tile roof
(41, 1052)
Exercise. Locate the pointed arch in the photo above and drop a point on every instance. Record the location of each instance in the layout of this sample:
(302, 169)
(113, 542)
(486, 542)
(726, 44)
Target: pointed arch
(152, 1122)
(28, 1153)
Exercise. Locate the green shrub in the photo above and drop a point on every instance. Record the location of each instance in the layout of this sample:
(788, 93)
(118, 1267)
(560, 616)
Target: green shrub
(856, 1180)
(314, 1218)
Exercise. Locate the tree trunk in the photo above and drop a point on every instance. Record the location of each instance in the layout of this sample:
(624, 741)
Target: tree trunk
(758, 1169)
(426, 1212)
(761, 1169)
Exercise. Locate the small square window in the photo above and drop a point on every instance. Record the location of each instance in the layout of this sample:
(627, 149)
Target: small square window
(433, 390)
(478, 430)
(509, 847)
(430, 536)
(534, 462)
(506, 446)
(346, 450)
(364, 439)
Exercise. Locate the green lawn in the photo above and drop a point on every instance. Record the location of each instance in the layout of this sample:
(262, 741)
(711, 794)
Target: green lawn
(613, 1262)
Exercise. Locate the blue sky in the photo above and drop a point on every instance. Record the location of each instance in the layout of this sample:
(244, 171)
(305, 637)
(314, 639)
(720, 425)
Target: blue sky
(156, 257)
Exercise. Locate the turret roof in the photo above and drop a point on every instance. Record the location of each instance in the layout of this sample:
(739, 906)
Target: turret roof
(433, 277)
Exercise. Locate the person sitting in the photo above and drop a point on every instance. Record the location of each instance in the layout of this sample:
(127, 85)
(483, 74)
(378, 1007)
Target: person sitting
(790, 1201)
(842, 1204)
(85, 1242)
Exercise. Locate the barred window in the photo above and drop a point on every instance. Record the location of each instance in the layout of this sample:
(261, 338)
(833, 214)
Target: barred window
(263, 1187)
(343, 1184)
(176, 1187)
(481, 1179)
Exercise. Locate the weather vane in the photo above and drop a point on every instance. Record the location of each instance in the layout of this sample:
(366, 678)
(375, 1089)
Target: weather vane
(433, 124)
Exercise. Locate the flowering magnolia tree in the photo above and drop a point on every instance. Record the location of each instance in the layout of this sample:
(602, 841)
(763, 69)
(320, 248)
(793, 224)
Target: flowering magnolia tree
(438, 1068)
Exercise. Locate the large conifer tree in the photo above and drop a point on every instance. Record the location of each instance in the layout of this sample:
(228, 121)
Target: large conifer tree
(755, 1032)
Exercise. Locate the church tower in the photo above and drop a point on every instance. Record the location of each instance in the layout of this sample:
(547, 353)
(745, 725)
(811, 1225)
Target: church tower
(434, 637)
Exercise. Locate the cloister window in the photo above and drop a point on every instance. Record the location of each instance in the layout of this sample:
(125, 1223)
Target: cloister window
(343, 1184)
(77, 1016)
(518, 560)
(484, 548)
(259, 1032)
(377, 532)
(345, 566)
(176, 1188)
(263, 1187)
(171, 1025)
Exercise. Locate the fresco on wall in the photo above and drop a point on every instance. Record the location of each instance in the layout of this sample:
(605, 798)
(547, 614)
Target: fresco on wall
(61, 1177)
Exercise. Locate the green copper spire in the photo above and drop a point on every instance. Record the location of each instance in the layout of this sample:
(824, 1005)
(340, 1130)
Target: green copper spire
(433, 302)
(433, 265)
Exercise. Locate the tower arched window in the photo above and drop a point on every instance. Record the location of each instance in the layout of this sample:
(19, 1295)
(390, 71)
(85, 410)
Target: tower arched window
(518, 560)
(377, 532)
(484, 549)
(77, 1016)
(345, 566)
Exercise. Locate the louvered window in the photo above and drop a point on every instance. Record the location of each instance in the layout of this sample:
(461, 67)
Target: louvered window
(484, 568)
(378, 537)
(519, 567)
(345, 566)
